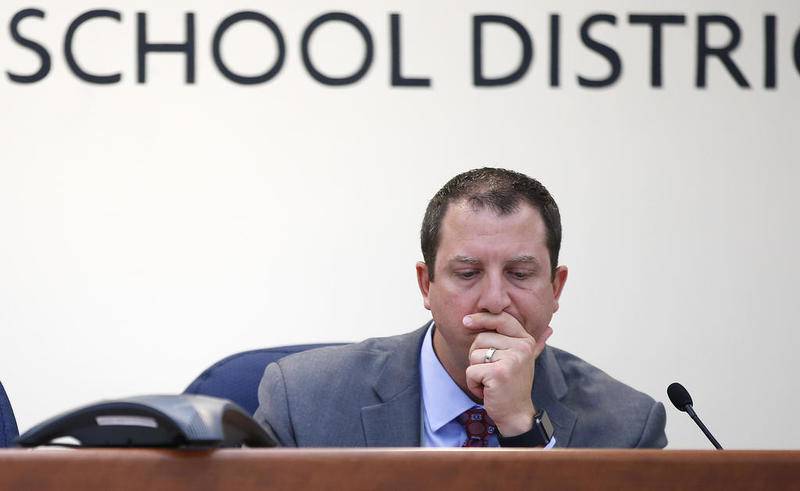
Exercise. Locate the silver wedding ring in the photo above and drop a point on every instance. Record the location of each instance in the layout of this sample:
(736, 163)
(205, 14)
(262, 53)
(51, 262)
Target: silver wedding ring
(487, 358)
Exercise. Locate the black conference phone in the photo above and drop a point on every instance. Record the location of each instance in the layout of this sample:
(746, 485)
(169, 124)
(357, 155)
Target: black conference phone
(175, 421)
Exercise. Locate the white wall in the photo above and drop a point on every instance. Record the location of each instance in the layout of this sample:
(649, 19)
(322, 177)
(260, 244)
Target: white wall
(147, 230)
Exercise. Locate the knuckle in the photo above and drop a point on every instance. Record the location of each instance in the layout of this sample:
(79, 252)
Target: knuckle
(474, 357)
(501, 371)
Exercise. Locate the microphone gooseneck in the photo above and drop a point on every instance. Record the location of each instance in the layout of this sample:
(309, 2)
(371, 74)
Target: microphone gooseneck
(681, 399)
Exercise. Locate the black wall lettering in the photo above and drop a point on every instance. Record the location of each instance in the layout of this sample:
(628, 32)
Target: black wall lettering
(656, 22)
(217, 53)
(770, 69)
(797, 51)
(44, 56)
(398, 80)
(70, 57)
(723, 53)
(478, 79)
(144, 47)
(710, 49)
(601, 49)
(362, 29)
(555, 50)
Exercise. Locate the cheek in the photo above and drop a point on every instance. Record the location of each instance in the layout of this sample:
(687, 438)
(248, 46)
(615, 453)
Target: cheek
(535, 305)
(449, 300)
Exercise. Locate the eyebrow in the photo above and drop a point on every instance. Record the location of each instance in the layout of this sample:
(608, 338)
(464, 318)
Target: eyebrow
(524, 259)
(466, 259)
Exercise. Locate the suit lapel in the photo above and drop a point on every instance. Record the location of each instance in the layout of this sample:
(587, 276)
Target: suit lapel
(549, 388)
(395, 421)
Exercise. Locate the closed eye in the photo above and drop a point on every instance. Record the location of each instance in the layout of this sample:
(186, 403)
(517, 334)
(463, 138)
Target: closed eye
(467, 275)
(521, 275)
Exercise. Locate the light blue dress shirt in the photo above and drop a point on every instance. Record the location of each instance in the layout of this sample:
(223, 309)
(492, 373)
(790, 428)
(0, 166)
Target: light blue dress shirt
(443, 402)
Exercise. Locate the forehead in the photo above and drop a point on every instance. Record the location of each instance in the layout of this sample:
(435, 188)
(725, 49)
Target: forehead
(487, 235)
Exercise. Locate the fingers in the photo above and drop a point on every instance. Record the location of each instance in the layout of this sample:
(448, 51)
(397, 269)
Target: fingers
(494, 340)
(508, 347)
(478, 356)
(475, 377)
(483, 376)
(514, 351)
(503, 323)
(503, 384)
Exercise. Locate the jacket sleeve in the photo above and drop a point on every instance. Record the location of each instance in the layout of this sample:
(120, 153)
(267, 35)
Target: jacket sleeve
(273, 405)
(653, 435)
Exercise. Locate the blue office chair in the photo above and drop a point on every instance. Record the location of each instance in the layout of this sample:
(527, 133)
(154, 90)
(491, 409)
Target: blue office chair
(8, 424)
(236, 377)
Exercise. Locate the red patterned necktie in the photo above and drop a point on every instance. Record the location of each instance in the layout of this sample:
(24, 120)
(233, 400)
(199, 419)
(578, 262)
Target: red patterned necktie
(479, 427)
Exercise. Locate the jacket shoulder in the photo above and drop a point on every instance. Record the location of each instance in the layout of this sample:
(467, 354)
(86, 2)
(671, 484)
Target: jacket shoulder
(367, 355)
(609, 412)
(315, 397)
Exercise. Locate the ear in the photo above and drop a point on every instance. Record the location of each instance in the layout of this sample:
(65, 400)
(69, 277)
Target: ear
(559, 280)
(424, 281)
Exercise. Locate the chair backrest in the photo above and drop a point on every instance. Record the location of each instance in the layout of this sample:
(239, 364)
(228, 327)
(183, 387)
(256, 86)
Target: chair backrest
(236, 377)
(8, 424)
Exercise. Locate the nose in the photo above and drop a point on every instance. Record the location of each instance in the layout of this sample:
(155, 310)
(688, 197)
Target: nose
(494, 294)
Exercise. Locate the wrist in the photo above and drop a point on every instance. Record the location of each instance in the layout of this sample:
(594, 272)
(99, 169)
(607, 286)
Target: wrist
(517, 424)
(540, 434)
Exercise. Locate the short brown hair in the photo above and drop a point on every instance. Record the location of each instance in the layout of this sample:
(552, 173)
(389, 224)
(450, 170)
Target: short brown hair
(499, 189)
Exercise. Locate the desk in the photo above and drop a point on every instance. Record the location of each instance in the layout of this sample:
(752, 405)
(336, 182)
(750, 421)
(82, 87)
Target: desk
(418, 469)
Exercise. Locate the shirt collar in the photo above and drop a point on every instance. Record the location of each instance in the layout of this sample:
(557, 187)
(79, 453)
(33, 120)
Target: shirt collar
(443, 400)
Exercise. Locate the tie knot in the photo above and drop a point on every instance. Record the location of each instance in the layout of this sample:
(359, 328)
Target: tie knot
(478, 425)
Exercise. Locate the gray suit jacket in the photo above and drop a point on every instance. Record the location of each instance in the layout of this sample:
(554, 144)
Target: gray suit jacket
(368, 394)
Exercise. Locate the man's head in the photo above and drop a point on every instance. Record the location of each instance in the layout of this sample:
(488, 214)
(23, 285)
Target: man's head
(490, 239)
(499, 190)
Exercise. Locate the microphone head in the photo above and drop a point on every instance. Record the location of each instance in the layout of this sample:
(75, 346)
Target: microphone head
(679, 396)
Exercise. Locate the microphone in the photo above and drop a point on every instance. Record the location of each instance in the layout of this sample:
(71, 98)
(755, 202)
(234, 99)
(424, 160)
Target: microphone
(683, 401)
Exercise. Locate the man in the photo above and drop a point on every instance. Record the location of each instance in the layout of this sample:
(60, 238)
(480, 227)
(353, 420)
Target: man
(480, 373)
